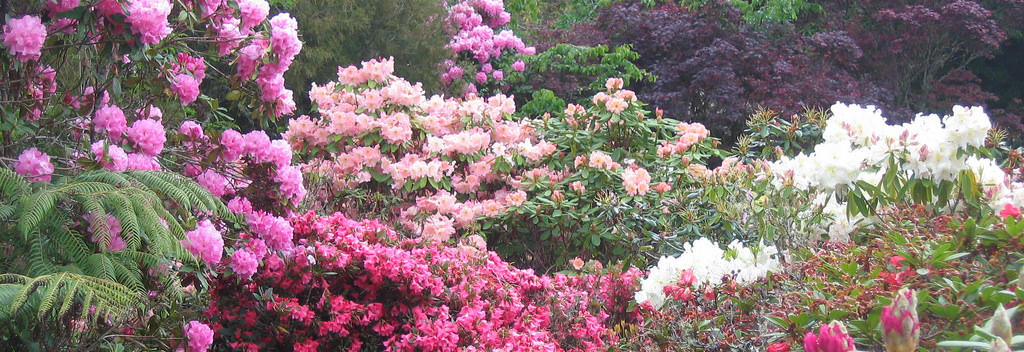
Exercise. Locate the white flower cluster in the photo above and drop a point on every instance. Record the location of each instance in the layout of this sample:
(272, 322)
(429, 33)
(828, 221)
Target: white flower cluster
(709, 265)
(858, 142)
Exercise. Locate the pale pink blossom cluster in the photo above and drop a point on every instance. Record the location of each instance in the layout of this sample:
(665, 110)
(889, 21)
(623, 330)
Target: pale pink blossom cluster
(600, 160)
(477, 23)
(200, 336)
(205, 242)
(188, 73)
(24, 37)
(636, 181)
(34, 165)
(275, 231)
(146, 138)
(388, 132)
(148, 19)
(115, 242)
(687, 134)
(110, 156)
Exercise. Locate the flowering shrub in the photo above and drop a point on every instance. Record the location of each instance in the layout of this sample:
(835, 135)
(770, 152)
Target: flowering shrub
(358, 283)
(482, 56)
(447, 161)
(868, 162)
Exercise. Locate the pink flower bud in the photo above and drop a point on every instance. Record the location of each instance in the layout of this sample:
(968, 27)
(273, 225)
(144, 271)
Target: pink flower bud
(900, 323)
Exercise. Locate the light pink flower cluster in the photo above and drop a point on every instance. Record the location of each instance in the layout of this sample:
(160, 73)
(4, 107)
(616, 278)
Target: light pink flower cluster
(687, 134)
(600, 160)
(34, 165)
(205, 242)
(148, 19)
(110, 119)
(110, 156)
(115, 242)
(217, 184)
(253, 12)
(244, 263)
(199, 335)
(417, 143)
(636, 181)
(274, 230)
(476, 22)
(24, 37)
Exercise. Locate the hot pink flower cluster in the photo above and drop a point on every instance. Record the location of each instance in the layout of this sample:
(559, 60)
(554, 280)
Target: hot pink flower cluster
(205, 242)
(148, 135)
(832, 337)
(416, 143)
(199, 335)
(24, 37)
(241, 160)
(476, 22)
(352, 283)
(148, 19)
(34, 165)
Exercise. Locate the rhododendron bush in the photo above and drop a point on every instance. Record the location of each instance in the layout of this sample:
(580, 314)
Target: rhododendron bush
(358, 284)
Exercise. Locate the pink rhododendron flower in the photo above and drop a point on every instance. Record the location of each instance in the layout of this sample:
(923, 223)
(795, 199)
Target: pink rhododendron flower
(284, 38)
(577, 263)
(34, 165)
(290, 178)
(141, 161)
(244, 263)
(214, 182)
(110, 119)
(240, 205)
(234, 145)
(519, 66)
(199, 335)
(148, 19)
(832, 337)
(1009, 211)
(24, 37)
(186, 88)
(109, 7)
(205, 242)
(149, 136)
(498, 75)
(110, 157)
(253, 12)
(192, 130)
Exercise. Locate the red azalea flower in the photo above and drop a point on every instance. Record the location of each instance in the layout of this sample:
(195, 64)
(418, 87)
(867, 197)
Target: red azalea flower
(1009, 211)
(778, 347)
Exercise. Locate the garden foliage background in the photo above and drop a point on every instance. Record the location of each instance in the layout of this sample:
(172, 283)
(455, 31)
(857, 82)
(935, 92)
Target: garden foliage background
(581, 175)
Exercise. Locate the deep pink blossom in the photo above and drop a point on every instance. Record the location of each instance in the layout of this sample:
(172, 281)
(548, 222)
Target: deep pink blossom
(24, 37)
(217, 184)
(110, 119)
(244, 263)
(199, 335)
(205, 242)
(34, 165)
(148, 19)
(186, 88)
(148, 135)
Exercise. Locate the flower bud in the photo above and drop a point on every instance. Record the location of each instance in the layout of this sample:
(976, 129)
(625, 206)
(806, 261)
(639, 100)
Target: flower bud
(831, 337)
(900, 323)
(1001, 324)
(998, 345)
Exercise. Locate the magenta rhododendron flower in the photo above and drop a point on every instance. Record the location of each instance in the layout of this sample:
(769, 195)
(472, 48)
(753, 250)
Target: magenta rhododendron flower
(832, 337)
(191, 129)
(519, 66)
(234, 145)
(199, 335)
(1009, 211)
(253, 12)
(110, 119)
(148, 19)
(149, 136)
(186, 88)
(244, 263)
(214, 182)
(141, 161)
(24, 37)
(110, 157)
(34, 165)
(205, 242)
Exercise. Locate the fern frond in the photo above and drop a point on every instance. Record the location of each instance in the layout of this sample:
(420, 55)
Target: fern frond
(33, 209)
(11, 184)
(125, 212)
(56, 294)
(38, 260)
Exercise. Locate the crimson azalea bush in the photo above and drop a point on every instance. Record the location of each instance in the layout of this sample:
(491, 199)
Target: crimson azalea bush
(358, 284)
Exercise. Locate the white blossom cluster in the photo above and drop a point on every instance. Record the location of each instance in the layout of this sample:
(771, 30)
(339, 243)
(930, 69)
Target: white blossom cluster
(858, 142)
(709, 265)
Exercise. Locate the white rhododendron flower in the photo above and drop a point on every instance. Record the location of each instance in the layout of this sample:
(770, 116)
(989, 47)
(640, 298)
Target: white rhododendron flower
(709, 265)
